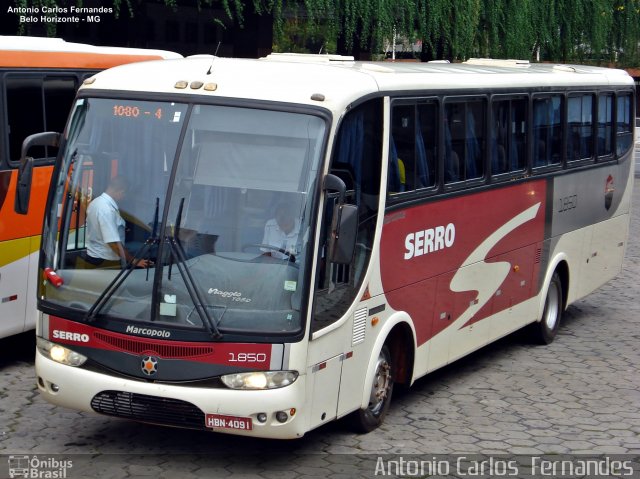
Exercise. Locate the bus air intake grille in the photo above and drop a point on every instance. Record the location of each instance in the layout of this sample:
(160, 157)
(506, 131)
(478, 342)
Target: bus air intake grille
(138, 346)
(538, 255)
(151, 409)
(359, 326)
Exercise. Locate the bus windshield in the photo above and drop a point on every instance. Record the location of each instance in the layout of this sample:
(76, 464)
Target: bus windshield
(212, 203)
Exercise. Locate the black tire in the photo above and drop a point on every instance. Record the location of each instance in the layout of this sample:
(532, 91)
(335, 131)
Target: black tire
(369, 418)
(545, 330)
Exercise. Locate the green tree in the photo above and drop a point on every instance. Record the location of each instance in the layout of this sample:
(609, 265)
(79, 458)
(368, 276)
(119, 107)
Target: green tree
(598, 31)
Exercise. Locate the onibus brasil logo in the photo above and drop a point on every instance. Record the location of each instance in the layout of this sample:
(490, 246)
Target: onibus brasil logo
(38, 468)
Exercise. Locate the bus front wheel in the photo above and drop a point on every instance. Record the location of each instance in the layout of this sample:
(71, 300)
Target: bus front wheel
(546, 329)
(369, 418)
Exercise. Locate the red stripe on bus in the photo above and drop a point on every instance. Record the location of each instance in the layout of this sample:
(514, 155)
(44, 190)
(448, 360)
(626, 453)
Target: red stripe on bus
(243, 355)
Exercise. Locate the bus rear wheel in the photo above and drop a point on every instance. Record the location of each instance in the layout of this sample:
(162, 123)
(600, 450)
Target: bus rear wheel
(369, 418)
(546, 329)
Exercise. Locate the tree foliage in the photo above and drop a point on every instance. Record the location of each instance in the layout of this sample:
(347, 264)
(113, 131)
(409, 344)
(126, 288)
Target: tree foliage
(598, 31)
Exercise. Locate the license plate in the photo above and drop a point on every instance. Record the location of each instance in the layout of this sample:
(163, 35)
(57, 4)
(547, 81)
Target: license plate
(228, 422)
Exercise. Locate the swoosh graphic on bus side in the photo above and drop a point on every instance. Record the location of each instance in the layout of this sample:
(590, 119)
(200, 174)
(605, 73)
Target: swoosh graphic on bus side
(14, 250)
(476, 275)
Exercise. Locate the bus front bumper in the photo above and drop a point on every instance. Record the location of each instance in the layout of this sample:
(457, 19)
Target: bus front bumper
(250, 413)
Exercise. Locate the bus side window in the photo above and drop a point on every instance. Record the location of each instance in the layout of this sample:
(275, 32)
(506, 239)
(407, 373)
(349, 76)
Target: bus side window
(464, 139)
(451, 160)
(579, 127)
(356, 160)
(402, 154)
(25, 113)
(605, 125)
(547, 130)
(624, 132)
(427, 143)
(518, 134)
(499, 138)
(413, 146)
(508, 135)
(36, 104)
(59, 93)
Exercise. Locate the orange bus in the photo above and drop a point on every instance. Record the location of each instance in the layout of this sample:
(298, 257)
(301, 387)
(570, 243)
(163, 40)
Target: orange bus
(38, 81)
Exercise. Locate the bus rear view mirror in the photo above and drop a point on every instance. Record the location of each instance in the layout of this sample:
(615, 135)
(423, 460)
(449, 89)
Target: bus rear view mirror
(344, 229)
(344, 223)
(23, 189)
(25, 171)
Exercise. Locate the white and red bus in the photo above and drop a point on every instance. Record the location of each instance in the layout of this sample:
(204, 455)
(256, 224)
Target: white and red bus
(38, 82)
(434, 208)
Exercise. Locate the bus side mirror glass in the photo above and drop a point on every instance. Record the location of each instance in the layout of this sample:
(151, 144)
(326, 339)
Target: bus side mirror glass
(344, 229)
(23, 189)
(25, 171)
(344, 223)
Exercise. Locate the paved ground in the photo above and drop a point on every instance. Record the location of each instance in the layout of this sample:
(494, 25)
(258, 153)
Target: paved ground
(579, 395)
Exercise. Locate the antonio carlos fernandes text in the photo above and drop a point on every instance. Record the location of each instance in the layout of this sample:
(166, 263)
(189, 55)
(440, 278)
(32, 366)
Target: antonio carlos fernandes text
(496, 467)
(60, 10)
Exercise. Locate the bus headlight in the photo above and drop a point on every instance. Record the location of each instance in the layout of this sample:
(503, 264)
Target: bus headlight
(60, 354)
(260, 379)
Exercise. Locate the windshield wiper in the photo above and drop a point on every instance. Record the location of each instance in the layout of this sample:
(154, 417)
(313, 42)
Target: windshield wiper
(154, 229)
(177, 252)
(192, 287)
(124, 273)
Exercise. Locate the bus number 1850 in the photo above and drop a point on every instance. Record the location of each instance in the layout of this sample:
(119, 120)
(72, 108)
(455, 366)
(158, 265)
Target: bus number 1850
(247, 358)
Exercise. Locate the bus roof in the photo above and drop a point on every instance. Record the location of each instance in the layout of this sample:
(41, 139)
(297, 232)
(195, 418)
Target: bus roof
(334, 82)
(41, 52)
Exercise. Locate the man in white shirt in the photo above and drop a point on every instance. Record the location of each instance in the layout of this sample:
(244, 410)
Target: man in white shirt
(282, 233)
(105, 228)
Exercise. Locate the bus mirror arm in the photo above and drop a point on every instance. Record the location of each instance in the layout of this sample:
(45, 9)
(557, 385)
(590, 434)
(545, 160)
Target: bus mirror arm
(47, 138)
(344, 224)
(25, 171)
(334, 183)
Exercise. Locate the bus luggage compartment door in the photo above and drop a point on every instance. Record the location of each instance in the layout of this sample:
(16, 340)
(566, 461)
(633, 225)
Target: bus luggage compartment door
(325, 378)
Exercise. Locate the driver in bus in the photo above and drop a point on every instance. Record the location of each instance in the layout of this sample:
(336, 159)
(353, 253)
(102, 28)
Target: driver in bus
(282, 233)
(105, 228)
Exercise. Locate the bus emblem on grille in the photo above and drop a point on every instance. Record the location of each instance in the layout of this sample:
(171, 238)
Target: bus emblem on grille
(149, 365)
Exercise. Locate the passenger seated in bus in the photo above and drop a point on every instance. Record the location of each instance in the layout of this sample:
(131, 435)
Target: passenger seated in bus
(397, 172)
(282, 233)
(401, 180)
(105, 228)
(403, 175)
